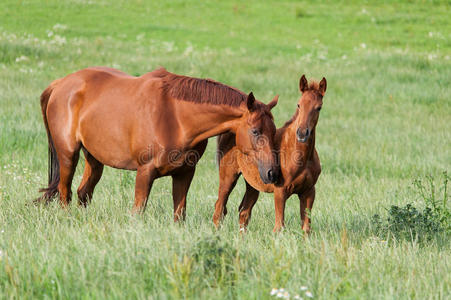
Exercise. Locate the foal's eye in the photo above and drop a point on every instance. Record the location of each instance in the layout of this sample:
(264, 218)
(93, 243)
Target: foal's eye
(255, 132)
(299, 106)
(319, 108)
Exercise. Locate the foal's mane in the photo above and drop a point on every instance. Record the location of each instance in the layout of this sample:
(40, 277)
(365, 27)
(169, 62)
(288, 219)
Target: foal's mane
(200, 90)
(313, 86)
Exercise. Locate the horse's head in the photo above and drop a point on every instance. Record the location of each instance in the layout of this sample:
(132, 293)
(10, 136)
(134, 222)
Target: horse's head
(309, 106)
(255, 137)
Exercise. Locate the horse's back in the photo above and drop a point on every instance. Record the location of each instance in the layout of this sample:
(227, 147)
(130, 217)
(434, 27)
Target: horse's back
(101, 106)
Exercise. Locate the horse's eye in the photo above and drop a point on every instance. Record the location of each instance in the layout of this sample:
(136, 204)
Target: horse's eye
(255, 132)
(298, 106)
(319, 108)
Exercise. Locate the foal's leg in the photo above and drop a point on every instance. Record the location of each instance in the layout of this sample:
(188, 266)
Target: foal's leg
(227, 181)
(145, 176)
(306, 205)
(248, 202)
(91, 176)
(280, 198)
(180, 186)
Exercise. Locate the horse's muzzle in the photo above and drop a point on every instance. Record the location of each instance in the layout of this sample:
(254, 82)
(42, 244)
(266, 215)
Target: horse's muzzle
(269, 175)
(302, 135)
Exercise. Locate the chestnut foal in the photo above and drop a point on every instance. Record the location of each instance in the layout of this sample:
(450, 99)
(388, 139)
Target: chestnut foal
(299, 162)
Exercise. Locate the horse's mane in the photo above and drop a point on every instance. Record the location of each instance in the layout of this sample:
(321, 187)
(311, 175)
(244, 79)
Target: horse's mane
(313, 86)
(199, 90)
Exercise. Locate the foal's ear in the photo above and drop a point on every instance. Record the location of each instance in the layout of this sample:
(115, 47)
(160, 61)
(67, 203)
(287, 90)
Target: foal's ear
(322, 86)
(273, 102)
(250, 101)
(303, 84)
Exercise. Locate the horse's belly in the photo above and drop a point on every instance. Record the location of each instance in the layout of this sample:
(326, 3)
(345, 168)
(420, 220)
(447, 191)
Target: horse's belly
(109, 142)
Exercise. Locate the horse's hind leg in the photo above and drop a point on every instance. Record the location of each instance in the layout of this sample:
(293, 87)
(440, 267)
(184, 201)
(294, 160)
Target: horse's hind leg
(91, 176)
(68, 162)
(248, 202)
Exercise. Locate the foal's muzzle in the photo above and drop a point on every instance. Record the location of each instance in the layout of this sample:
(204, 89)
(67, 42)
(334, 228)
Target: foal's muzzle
(302, 135)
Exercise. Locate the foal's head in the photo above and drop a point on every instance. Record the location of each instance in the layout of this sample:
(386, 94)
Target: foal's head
(255, 138)
(309, 106)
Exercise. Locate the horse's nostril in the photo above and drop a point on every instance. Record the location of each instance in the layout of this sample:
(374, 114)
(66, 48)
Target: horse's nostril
(270, 175)
(307, 131)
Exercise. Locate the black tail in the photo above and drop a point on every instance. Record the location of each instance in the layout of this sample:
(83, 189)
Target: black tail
(54, 170)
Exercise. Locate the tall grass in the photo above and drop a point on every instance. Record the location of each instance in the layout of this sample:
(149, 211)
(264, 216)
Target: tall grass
(384, 124)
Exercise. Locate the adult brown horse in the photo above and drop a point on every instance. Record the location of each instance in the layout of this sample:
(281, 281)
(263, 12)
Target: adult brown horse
(299, 162)
(157, 124)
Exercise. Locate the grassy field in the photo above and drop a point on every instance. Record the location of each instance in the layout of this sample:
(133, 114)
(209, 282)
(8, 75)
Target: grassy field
(385, 122)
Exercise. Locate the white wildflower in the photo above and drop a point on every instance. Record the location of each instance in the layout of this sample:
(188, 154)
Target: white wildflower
(58, 26)
(279, 294)
(308, 294)
(431, 34)
(169, 46)
(273, 291)
(297, 297)
(363, 45)
(21, 58)
(286, 295)
(303, 288)
(59, 40)
(188, 50)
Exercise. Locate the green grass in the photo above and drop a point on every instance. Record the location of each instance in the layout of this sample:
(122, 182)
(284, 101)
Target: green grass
(386, 122)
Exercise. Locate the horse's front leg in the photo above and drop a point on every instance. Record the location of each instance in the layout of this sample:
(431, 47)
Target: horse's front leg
(280, 198)
(145, 176)
(306, 205)
(227, 181)
(248, 202)
(180, 186)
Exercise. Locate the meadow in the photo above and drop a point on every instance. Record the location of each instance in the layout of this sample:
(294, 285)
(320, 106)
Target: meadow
(385, 122)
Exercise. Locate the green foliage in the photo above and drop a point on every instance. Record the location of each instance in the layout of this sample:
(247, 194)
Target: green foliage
(216, 258)
(419, 224)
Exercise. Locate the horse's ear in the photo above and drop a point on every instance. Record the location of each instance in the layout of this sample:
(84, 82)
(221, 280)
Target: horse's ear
(273, 102)
(322, 86)
(250, 101)
(303, 84)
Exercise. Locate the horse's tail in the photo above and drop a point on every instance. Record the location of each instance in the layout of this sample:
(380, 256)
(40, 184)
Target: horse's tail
(54, 169)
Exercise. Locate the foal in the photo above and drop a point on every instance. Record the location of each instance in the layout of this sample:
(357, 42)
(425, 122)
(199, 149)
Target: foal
(299, 161)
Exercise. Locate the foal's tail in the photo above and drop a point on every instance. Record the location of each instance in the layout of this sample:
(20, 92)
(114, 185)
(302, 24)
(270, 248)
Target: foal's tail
(54, 169)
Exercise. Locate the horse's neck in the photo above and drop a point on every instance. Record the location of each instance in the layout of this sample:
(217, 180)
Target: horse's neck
(208, 120)
(306, 149)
